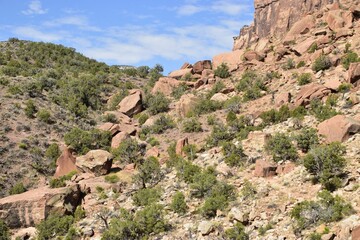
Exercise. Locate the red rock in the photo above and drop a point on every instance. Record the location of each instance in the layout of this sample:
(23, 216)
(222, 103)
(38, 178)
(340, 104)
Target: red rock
(310, 92)
(264, 169)
(185, 104)
(253, 55)
(178, 74)
(129, 129)
(304, 46)
(338, 128)
(355, 234)
(354, 73)
(181, 143)
(153, 152)
(186, 65)
(339, 19)
(302, 26)
(282, 98)
(120, 117)
(65, 163)
(98, 162)
(200, 66)
(119, 138)
(131, 104)
(285, 168)
(332, 83)
(207, 73)
(219, 97)
(106, 126)
(165, 85)
(231, 59)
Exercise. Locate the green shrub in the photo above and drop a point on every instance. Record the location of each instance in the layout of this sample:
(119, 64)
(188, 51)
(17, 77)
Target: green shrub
(304, 78)
(110, 118)
(321, 111)
(313, 48)
(127, 152)
(4, 231)
(178, 91)
(301, 64)
(233, 104)
(116, 99)
(306, 139)
(327, 209)
(186, 170)
(190, 151)
(205, 105)
(192, 125)
(344, 87)
(233, 155)
(83, 141)
(54, 225)
(79, 213)
(178, 203)
(60, 182)
(146, 196)
(222, 71)
(143, 71)
(123, 227)
(273, 116)
(332, 99)
(211, 205)
(17, 189)
(53, 152)
(44, 116)
(162, 124)
(211, 120)
(202, 183)
(321, 63)
(113, 178)
(142, 117)
(251, 84)
(281, 148)
(237, 232)
(262, 230)
(326, 163)
(219, 135)
(30, 109)
(153, 141)
(350, 57)
(157, 103)
(149, 173)
(248, 191)
(218, 86)
(290, 64)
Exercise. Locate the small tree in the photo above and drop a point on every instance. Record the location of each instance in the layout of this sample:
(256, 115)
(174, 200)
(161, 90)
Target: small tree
(306, 139)
(44, 116)
(30, 109)
(157, 103)
(146, 196)
(222, 71)
(178, 203)
(54, 225)
(149, 172)
(281, 148)
(321, 63)
(4, 231)
(128, 152)
(192, 125)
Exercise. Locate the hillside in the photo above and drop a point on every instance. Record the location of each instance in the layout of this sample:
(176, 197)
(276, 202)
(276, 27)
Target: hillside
(262, 142)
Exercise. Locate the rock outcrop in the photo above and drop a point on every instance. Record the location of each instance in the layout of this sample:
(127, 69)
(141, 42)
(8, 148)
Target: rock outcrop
(354, 73)
(131, 104)
(65, 163)
(165, 85)
(339, 128)
(98, 162)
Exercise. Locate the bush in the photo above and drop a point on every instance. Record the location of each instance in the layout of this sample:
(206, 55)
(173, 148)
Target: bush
(327, 209)
(79, 213)
(290, 64)
(44, 116)
(116, 99)
(146, 196)
(219, 135)
(233, 104)
(110, 118)
(178, 91)
(60, 182)
(143, 71)
(53, 152)
(113, 178)
(4, 231)
(149, 172)
(127, 152)
(313, 48)
(301, 64)
(321, 63)
(192, 125)
(162, 124)
(83, 141)
(157, 103)
(222, 71)
(178, 203)
(142, 117)
(350, 57)
(236, 233)
(273, 116)
(306, 139)
(251, 84)
(304, 78)
(54, 225)
(248, 191)
(218, 86)
(320, 111)
(17, 189)
(326, 163)
(205, 105)
(281, 148)
(202, 183)
(234, 155)
(186, 170)
(344, 87)
(30, 109)
(190, 151)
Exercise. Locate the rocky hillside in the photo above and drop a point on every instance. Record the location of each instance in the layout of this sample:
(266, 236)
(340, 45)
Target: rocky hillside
(262, 142)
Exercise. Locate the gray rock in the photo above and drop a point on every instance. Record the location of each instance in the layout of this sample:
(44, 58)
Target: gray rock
(205, 227)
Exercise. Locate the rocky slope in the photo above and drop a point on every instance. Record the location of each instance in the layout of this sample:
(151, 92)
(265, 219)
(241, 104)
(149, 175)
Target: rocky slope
(246, 148)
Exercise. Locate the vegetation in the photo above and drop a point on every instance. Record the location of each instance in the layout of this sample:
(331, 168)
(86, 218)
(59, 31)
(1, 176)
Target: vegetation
(321, 111)
(60, 182)
(222, 71)
(54, 225)
(348, 58)
(192, 125)
(178, 203)
(290, 64)
(17, 189)
(205, 105)
(306, 139)
(321, 63)
(178, 91)
(326, 163)
(234, 155)
(128, 152)
(30, 109)
(251, 84)
(113, 178)
(304, 78)
(237, 232)
(161, 124)
(281, 148)
(149, 173)
(156, 103)
(44, 116)
(146, 196)
(4, 231)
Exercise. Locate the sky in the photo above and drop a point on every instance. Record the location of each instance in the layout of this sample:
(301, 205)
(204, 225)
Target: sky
(130, 32)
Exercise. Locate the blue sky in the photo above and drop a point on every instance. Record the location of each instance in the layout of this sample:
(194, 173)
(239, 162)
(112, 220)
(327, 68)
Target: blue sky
(135, 32)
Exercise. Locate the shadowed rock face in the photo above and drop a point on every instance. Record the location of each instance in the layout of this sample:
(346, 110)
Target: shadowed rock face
(275, 18)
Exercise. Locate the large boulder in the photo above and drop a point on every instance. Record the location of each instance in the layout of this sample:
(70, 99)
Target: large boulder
(302, 26)
(354, 73)
(181, 143)
(200, 66)
(338, 128)
(186, 104)
(231, 59)
(339, 19)
(131, 104)
(98, 162)
(165, 85)
(118, 139)
(30, 208)
(178, 74)
(65, 163)
(264, 169)
(310, 92)
(253, 55)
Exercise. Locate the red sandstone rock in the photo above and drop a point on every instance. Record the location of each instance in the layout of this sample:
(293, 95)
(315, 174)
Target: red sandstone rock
(165, 85)
(285, 168)
(200, 66)
(65, 163)
(185, 104)
(178, 74)
(181, 143)
(131, 104)
(338, 128)
(97, 162)
(119, 138)
(253, 55)
(354, 73)
(264, 169)
(310, 92)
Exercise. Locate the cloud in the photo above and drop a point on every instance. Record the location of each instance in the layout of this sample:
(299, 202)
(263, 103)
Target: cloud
(34, 8)
(78, 21)
(189, 10)
(230, 8)
(33, 33)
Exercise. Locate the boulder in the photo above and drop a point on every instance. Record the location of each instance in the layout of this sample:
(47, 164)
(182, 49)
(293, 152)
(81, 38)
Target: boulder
(231, 59)
(310, 92)
(304, 46)
(219, 97)
(239, 215)
(186, 65)
(285, 168)
(30, 208)
(98, 162)
(354, 73)
(200, 66)
(356, 233)
(302, 26)
(178, 74)
(120, 117)
(131, 104)
(129, 129)
(65, 163)
(165, 85)
(264, 169)
(205, 227)
(339, 19)
(338, 128)
(253, 55)
(185, 104)
(152, 152)
(332, 83)
(282, 98)
(181, 143)
(119, 138)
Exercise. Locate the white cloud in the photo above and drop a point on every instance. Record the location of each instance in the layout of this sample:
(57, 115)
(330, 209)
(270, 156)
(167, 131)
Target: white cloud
(230, 8)
(78, 21)
(34, 7)
(189, 10)
(33, 33)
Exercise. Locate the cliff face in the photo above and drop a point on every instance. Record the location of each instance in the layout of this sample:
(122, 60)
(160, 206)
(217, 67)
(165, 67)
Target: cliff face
(275, 18)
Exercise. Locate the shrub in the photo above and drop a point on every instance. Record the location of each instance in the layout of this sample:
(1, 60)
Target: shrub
(162, 124)
(110, 118)
(321, 63)
(60, 182)
(53, 152)
(190, 151)
(202, 183)
(281, 148)
(116, 99)
(192, 125)
(233, 104)
(142, 117)
(123, 227)
(127, 152)
(237, 232)
(313, 48)
(4, 231)
(299, 112)
(320, 111)
(251, 84)
(157, 103)
(344, 87)
(113, 178)
(54, 225)
(178, 91)
(30, 109)
(219, 135)
(17, 189)
(326, 163)
(222, 71)
(248, 191)
(290, 64)
(205, 105)
(211, 205)
(306, 139)
(218, 86)
(178, 203)
(153, 141)
(149, 172)
(301, 64)
(187, 171)
(327, 209)
(143, 71)
(146, 196)
(304, 78)
(350, 57)
(44, 116)
(83, 141)
(273, 116)
(79, 213)
(233, 155)
(211, 120)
